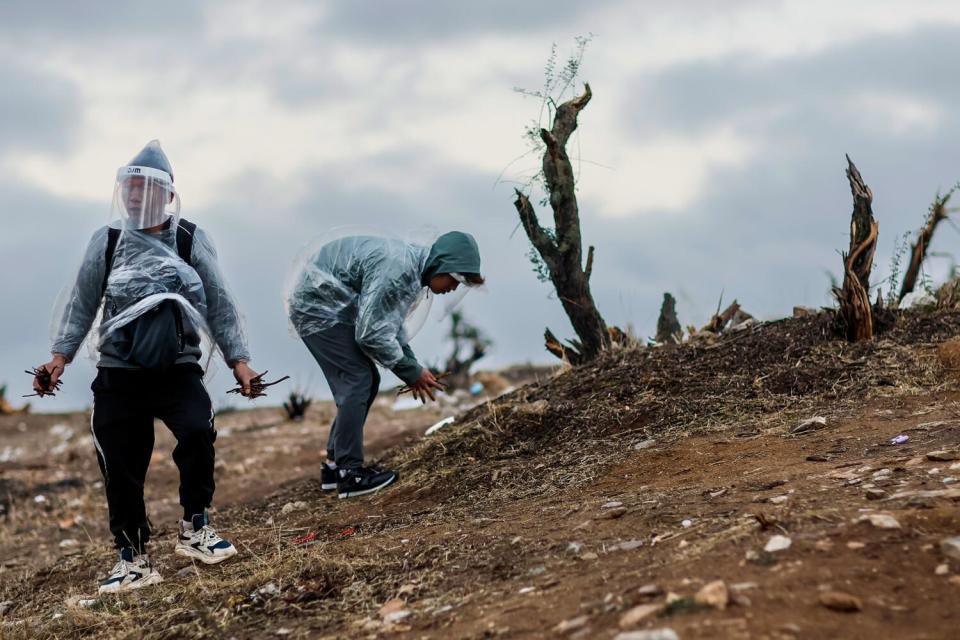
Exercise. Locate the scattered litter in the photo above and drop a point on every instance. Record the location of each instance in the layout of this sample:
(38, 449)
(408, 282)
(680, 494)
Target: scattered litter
(612, 505)
(810, 425)
(41, 499)
(476, 388)
(574, 548)
(305, 538)
(880, 520)
(269, 589)
(777, 543)
(440, 425)
(526, 590)
(942, 569)
(69, 543)
(901, 439)
(293, 506)
(346, 533)
(950, 547)
(646, 444)
(397, 616)
(686, 524)
(630, 545)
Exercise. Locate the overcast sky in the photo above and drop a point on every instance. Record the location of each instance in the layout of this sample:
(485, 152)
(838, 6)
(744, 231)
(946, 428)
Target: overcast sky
(710, 159)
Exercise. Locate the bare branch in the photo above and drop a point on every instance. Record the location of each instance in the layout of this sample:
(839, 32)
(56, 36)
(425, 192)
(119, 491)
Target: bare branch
(918, 252)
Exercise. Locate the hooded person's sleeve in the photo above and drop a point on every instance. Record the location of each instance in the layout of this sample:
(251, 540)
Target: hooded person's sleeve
(73, 324)
(380, 321)
(223, 318)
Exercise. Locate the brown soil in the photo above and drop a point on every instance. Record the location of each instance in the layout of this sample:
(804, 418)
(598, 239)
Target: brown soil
(499, 526)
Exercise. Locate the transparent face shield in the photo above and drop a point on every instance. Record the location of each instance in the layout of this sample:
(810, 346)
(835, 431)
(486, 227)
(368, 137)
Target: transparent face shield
(453, 299)
(144, 198)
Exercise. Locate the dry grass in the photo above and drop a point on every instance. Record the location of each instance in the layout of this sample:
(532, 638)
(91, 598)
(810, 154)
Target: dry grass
(532, 442)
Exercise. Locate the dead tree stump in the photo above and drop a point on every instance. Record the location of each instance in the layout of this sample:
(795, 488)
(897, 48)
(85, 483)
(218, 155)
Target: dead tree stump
(668, 327)
(854, 296)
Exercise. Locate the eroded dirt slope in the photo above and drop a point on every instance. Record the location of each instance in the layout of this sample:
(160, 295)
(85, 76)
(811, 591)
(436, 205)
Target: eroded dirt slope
(557, 510)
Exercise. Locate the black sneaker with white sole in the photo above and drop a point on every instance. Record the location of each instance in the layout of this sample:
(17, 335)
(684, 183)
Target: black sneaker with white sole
(328, 477)
(132, 571)
(363, 480)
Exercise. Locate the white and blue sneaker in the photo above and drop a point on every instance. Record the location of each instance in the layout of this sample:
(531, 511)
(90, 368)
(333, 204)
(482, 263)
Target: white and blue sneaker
(198, 540)
(132, 571)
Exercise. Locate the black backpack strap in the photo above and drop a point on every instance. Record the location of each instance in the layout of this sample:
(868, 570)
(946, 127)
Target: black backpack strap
(185, 232)
(113, 235)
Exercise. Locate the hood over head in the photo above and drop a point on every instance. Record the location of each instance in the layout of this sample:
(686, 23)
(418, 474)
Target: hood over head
(453, 252)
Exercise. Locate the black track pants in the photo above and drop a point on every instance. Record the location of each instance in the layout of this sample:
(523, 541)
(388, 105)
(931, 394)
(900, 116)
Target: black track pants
(125, 403)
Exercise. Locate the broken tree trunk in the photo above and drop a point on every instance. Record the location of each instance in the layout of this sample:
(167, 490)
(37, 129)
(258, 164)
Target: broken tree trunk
(563, 254)
(854, 296)
(918, 252)
(668, 327)
(720, 320)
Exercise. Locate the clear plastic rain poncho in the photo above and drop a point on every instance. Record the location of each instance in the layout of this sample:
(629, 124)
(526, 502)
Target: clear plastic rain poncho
(374, 283)
(158, 309)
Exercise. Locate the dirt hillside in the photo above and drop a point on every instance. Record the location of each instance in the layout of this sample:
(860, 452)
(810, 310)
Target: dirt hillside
(740, 488)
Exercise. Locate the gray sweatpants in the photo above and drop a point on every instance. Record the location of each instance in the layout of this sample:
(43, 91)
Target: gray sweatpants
(354, 381)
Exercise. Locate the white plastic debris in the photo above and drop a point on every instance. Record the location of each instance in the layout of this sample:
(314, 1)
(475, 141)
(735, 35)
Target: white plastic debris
(778, 543)
(440, 425)
(810, 424)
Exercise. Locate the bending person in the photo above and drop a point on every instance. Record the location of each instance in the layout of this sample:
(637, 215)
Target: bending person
(348, 304)
(157, 280)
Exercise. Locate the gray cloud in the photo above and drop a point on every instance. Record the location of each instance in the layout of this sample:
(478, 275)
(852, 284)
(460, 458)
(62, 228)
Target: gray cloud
(701, 95)
(38, 111)
(418, 19)
(81, 20)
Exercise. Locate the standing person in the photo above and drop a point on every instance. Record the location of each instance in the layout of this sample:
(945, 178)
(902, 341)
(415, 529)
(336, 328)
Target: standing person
(157, 277)
(348, 305)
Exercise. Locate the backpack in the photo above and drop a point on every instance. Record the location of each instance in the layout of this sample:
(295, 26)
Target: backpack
(155, 339)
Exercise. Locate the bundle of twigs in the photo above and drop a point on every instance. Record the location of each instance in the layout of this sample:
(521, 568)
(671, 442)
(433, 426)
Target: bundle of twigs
(407, 388)
(43, 377)
(258, 386)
